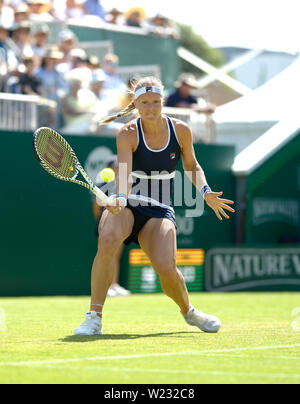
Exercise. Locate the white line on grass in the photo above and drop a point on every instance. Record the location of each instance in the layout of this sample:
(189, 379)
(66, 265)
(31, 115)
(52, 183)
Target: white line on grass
(163, 354)
(216, 355)
(191, 372)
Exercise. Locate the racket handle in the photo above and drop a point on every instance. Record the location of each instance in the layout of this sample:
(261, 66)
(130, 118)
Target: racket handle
(108, 200)
(101, 195)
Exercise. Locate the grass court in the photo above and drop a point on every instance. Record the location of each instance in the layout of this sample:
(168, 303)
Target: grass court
(146, 341)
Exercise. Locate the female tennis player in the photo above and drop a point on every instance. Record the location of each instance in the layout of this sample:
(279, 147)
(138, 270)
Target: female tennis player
(151, 144)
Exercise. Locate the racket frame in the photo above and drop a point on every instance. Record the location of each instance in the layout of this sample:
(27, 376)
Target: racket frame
(78, 168)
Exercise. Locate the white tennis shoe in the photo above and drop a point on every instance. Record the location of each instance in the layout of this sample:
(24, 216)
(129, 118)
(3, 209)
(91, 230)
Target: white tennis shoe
(91, 326)
(204, 322)
(119, 290)
(111, 293)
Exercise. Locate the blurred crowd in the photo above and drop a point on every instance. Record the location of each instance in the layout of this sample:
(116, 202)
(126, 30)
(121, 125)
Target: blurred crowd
(15, 11)
(80, 83)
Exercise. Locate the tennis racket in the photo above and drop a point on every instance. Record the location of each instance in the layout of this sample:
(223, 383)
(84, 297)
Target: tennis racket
(57, 157)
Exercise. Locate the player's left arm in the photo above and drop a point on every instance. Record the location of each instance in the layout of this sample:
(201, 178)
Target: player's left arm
(196, 174)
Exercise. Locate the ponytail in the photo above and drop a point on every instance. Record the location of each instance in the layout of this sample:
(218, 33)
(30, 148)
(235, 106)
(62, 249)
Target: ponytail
(126, 111)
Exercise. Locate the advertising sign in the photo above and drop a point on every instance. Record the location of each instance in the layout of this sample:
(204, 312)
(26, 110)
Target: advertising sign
(143, 279)
(285, 210)
(238, 269)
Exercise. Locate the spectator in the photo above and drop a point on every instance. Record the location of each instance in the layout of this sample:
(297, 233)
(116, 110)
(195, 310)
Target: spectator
(6, 13)
(3, 55)
(4, 34)
(113, 87)
(77, 103)
(30, 85)
(135, 17)
(105, 104)
(21, 13)
(93, 63)
(79, 62)
(97, 81)
(113, 79)
(160, 25)
(79, 58)
(40, 34)
(74, 9)
(94, 7)
(113, 16)
(15, 3)
(9, 62)
(67, 41)
(52, 84)
(59, 9)
(22, 39)
(182, 96)
(38, 10)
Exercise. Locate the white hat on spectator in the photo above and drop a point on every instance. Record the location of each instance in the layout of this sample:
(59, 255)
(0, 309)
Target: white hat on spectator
(78, 54)
(54, 53)
(187, 78)
(82, 74)
(75, 75)
(21, 8)
(23, 25)
(3, 25)
(66, 35)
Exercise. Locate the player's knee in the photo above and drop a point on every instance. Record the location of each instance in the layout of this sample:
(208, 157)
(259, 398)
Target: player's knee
(167, 268)
(108, 242)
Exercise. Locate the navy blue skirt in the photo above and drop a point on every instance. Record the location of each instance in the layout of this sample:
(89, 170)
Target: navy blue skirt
(142, 214)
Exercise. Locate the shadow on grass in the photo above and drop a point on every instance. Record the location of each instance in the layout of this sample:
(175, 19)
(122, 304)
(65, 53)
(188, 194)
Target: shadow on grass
(76, 338)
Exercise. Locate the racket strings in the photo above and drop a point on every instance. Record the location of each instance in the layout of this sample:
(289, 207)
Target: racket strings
(56, 154)
(57, 157)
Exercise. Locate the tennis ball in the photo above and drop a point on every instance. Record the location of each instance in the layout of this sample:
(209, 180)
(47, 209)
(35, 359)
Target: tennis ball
(107, 175)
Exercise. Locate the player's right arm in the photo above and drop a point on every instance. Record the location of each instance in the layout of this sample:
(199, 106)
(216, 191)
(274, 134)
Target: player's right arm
(126, 145)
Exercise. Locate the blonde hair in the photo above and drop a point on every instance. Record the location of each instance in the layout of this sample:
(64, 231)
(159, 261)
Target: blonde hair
(110, 57)
(136, 85)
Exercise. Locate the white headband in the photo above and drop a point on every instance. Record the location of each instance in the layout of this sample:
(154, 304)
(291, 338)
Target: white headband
(148, 89)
